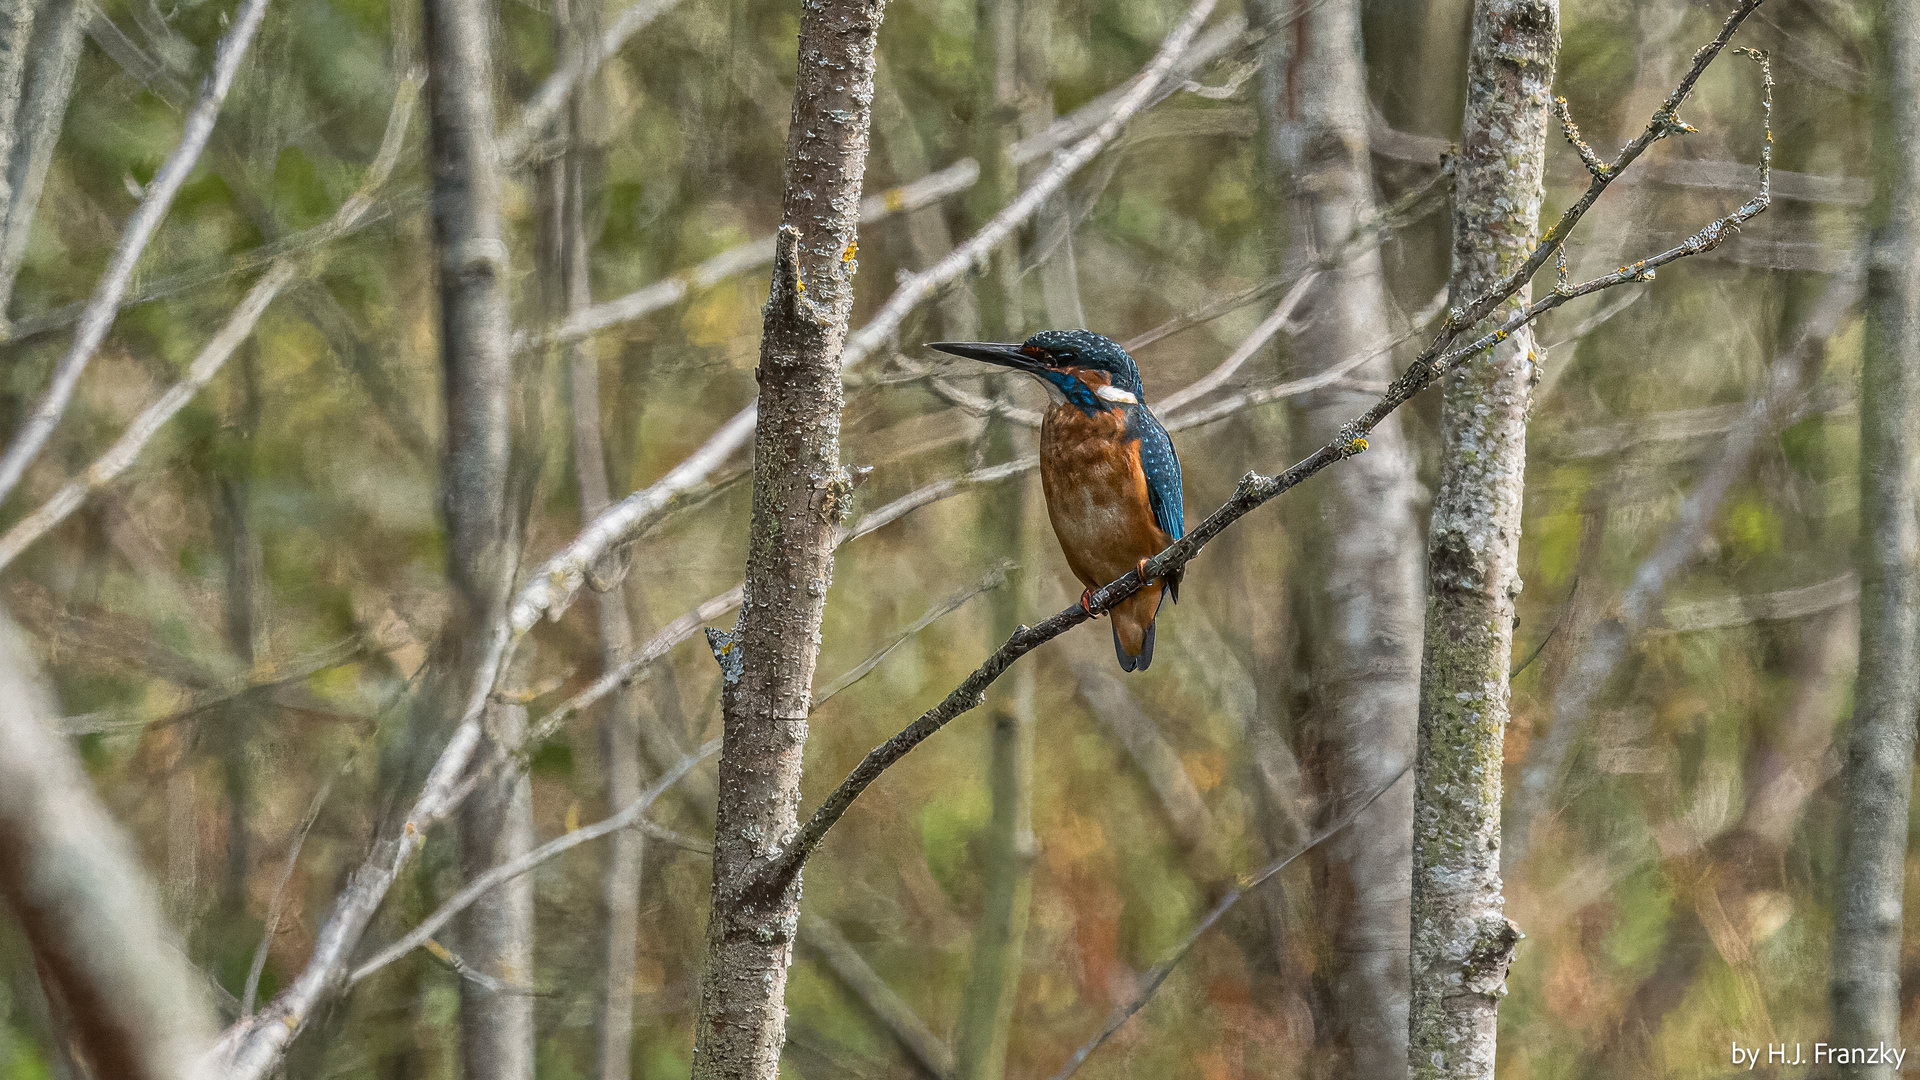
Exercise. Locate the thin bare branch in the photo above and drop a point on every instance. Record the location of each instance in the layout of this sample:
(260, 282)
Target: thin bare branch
(925, 191)
(239, 326)
(894, 1014)
(39, 425)
(579, 65)
(251, 992)
(1788, 377)
(627, 818)
(994, 579)
(1150, 983)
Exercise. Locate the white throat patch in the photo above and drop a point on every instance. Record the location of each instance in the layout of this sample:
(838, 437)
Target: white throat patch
(1114, 393)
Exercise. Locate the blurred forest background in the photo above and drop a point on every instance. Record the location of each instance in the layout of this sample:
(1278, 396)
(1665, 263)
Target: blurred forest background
(236, 629)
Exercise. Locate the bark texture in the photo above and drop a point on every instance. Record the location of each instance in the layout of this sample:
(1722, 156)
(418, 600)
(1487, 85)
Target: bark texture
(1878, 773)
(1462, 939)
(58, 37)
(800, 493)
(496, 823)
(132, 1005)
(1365, 609)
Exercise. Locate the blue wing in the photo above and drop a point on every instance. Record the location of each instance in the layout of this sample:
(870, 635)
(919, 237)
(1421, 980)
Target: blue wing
(1162, 467)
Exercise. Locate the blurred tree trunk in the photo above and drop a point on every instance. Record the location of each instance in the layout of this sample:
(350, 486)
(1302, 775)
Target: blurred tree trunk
(980, 1036)
(568, 247)
(57, 39)
(16, 33)
(131, 1004)
(800, 492)
(496, 824)
(1462, 939)
(927, 237)
(1878, 774)
(1364, 598)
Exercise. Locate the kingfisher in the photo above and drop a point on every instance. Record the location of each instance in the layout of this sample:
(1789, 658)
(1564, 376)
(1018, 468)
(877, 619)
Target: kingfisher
(1108, 468)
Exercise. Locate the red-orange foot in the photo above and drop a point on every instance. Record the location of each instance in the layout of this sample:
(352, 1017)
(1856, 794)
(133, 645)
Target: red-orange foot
(1086, 603)
(1141, 569)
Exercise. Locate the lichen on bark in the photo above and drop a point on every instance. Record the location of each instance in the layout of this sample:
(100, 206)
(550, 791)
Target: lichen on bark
(799, 495)
(1462, 939)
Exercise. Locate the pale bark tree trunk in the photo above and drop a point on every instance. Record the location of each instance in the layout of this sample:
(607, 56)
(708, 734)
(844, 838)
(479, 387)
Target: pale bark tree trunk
(1462, 939)
(496, 934)
(57, 41)
(132, 1005)
(1366, 598)
(1878, 774)
(16, 33)
(800, 492)
(999, 936)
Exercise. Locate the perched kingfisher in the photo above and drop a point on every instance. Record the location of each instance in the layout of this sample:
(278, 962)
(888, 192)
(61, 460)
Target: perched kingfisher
(1111, 476)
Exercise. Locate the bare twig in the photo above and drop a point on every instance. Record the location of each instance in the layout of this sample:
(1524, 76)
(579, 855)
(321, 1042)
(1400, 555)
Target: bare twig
(1245, 351)
(995, 579)
(1150, 983)
(579, 64)
(259, 965)
(925, 191)
(906, 1026)
(627, 818)
(265, 674)
(39, 425)
(125, 450)
(1438, 357)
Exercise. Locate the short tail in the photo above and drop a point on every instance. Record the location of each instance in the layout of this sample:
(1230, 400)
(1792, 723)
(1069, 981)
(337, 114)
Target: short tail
(1133, 620)
(1138, 662)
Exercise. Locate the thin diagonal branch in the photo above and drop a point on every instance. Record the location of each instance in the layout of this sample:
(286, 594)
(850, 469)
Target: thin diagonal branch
(1254, 490)
(1154, 978)
(1788, 379)
(239, 326)
(579, 64)
(994, 579)
(478, 887)
(251, 992)
(33, 435)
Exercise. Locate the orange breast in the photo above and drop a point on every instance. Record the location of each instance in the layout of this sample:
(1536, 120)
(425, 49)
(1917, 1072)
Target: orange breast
(1096, 494)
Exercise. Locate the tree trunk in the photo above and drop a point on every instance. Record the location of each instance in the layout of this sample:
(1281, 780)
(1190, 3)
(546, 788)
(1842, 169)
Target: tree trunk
(800, 492)
(620, 720)
(1878, 773)
(1462, 939)
(57, 43)
(496, 934)
(133, 1006)
(1002, 75)
(1365, 602)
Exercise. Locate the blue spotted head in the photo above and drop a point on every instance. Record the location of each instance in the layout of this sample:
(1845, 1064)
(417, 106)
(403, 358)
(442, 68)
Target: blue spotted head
(1091, 371)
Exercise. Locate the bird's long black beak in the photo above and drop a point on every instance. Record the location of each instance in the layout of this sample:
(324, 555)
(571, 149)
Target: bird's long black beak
(991, 352)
